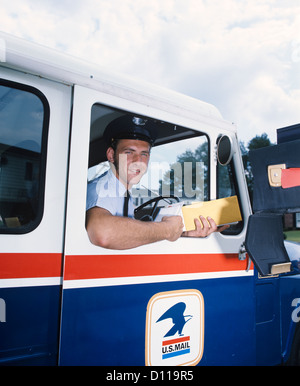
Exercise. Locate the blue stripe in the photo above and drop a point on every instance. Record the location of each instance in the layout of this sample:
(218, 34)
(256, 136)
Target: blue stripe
(176, 353)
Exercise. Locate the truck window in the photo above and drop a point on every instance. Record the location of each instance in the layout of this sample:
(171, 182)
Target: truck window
(179, 166)
(24, 115)
(178, 163)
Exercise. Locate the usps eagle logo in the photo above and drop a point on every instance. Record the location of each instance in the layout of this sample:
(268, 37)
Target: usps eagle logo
(176, 313)
(177, 346)
(175, 328)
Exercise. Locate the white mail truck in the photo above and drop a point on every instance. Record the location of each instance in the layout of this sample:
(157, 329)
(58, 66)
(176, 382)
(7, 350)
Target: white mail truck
(66, 301)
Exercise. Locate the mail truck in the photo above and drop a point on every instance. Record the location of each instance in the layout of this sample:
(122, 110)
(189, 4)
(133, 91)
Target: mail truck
(195, 301)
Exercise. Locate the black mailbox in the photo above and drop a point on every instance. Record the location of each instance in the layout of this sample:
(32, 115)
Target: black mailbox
(276, 171)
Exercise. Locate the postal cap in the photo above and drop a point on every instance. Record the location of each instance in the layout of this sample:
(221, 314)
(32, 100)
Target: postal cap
(130, 127)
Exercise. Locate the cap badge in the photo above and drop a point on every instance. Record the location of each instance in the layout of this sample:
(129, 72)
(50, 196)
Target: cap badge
(139, 121)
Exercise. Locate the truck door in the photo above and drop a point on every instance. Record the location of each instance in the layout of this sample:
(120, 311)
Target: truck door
(34, 131)
(111, 297)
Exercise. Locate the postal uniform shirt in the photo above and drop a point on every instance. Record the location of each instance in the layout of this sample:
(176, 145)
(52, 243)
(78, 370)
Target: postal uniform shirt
(108, 192)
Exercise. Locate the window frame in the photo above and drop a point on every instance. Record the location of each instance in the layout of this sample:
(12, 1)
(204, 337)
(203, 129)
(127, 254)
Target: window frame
(32, 225)
(230, 231)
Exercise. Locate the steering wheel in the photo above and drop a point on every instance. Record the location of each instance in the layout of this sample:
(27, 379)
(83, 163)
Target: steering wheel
(154, 211)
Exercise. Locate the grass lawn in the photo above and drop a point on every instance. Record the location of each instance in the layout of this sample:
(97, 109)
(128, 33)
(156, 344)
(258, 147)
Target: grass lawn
(293, 235)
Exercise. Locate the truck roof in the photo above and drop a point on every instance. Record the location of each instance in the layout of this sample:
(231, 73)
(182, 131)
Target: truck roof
(48, 63)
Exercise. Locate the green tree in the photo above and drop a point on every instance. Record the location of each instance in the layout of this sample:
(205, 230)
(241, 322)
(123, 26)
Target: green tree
(257, 142)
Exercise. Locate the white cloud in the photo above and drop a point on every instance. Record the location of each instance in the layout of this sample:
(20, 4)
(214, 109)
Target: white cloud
(241, 55)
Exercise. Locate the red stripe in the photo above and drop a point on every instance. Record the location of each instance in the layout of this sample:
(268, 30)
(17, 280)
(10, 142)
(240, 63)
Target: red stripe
(28, 265)
(173, 341)
(108, 266)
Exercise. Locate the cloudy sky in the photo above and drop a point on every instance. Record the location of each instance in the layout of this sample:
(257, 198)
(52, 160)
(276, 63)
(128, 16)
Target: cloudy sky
(243, 56)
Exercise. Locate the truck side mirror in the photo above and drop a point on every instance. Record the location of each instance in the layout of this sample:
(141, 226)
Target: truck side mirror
(224, 150)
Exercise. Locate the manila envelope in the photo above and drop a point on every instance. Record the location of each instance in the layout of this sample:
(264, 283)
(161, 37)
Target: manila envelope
(222, 211)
